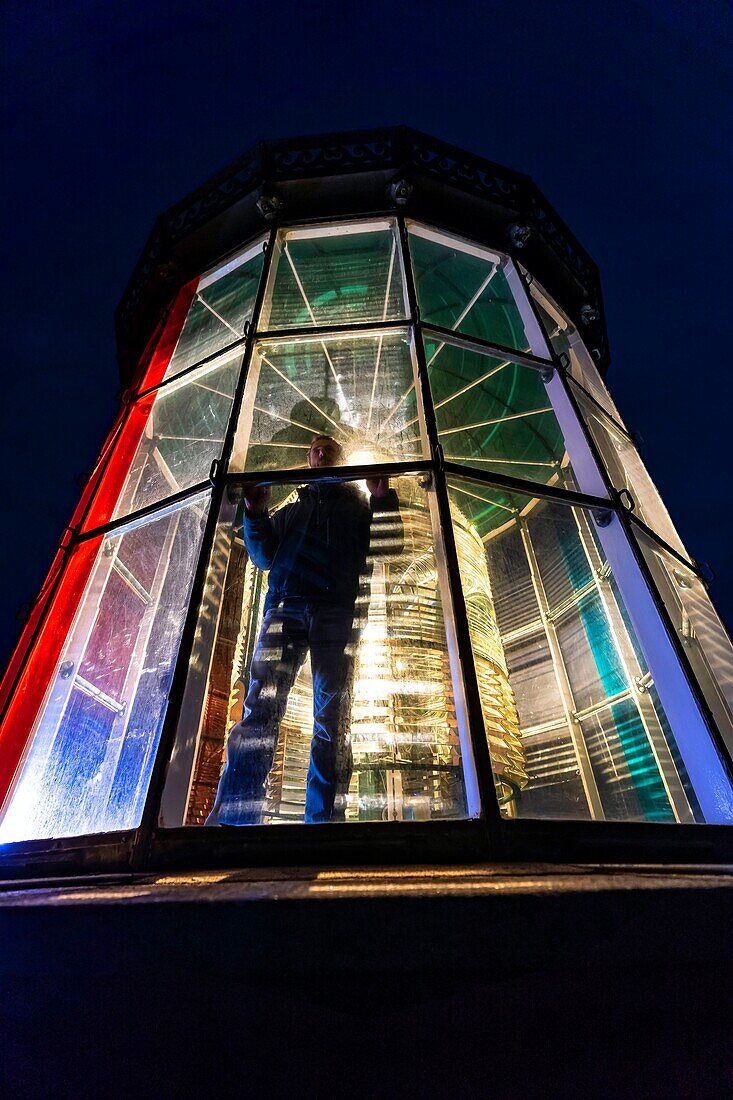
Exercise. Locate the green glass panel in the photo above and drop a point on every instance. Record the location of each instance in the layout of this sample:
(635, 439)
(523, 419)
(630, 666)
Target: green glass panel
(218, 315)
(494, 414)
(465, 292)
(336, 280)
(358, 390)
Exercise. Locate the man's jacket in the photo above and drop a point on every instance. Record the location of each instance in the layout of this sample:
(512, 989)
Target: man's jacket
(320, 547)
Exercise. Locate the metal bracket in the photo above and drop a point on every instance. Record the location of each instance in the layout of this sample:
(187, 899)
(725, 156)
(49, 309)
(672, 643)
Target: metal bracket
(626, 500)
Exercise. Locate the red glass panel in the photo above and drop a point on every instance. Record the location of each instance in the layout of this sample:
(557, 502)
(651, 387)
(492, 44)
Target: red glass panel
(31, 688)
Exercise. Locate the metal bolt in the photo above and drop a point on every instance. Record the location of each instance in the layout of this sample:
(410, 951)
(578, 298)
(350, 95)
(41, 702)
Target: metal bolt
(519, 235)
(400, 191)
(269, 206)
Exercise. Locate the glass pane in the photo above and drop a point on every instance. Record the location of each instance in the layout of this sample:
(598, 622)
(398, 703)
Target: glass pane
(182, 435)
(627, 471)
(93, 746)
(359, 390)
(219, 312)
(571, 681)
(335, 276)
(566, 340)
(464, 288)
(706, 640)
(495, 414)
(335, 699)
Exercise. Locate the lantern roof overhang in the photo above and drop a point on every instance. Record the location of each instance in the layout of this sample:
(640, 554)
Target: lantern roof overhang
(351, 174)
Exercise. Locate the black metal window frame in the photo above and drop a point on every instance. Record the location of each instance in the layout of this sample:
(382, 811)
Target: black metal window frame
(149, 848)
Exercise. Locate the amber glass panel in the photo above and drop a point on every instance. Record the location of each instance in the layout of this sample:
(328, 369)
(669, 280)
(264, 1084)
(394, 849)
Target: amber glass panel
(402, 714)
(573, 726)
(93, 747)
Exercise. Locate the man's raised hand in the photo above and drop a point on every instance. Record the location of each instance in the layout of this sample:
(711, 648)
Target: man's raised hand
(255, 498)
(378, 486)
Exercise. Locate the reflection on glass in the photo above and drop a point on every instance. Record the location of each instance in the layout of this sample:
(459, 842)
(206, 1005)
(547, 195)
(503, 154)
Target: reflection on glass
(94, 742)
(335, 276)
(627, 471)
(184, 432)
(494, 414)
(360, 390)
(405, 733)
(596, 741)
(706, 640)
(221, 308)
(467, 289)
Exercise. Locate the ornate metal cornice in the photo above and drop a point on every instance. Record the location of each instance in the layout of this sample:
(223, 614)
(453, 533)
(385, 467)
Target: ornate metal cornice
(494, 198)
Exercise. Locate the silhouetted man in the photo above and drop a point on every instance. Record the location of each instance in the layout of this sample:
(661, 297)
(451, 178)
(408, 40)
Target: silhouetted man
(316, 552)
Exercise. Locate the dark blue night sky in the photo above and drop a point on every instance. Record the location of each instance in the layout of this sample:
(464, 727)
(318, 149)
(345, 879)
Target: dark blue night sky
(112, 112)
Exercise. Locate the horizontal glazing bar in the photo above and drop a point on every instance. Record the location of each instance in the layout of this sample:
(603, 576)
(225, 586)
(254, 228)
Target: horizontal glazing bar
(485, 347)
(689, 563)
(159, 508)
(601, 409)
(316, 333)
(221, 354)
(527, 488)
(305, 475)
(342, 222)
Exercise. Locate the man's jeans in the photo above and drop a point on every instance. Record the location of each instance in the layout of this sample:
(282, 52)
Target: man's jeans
(288, 632)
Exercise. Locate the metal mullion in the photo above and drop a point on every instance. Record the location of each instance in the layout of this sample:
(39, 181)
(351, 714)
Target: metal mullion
(316, 332)
(166, 743)
(164, 382)
(477, 729)
(680, 651)
(562, 372)
(486, 347)
(528, 488)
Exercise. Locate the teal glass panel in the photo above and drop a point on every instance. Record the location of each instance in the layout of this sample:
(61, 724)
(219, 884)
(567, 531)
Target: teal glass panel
(466, 291)
(359, 390)
(335, 279)
(494, 414)
(593, 739)
(218, 314)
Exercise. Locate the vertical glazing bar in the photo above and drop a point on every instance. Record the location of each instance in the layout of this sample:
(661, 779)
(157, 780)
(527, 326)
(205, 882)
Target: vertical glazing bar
(148, 822)
(484, 772)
